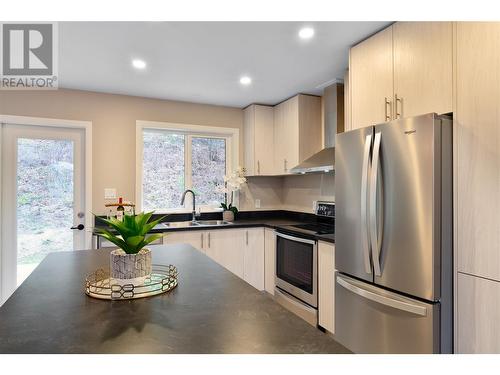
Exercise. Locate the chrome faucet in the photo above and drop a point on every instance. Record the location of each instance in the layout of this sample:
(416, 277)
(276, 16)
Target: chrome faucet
(194, 202)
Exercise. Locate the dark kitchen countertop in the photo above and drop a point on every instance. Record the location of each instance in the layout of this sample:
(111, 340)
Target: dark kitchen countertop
(210, 311)
(272, 223)
(326, 237)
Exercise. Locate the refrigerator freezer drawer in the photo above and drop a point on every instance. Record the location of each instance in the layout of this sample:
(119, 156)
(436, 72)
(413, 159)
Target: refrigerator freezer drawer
(372, 320)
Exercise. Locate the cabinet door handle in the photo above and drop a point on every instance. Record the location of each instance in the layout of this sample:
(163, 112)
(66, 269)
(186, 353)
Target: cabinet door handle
(258, 167)
(246, 234)
(208, 239)
(387, 112)
(396, 101)
(201, 235)
(284, 165)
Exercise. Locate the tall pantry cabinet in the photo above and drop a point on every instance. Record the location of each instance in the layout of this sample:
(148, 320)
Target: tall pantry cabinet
(477, 186)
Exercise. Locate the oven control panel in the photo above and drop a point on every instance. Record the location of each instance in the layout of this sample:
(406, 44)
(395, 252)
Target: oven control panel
(326, 209)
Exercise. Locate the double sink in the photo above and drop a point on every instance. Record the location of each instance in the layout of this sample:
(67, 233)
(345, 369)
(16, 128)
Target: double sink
(187, 224)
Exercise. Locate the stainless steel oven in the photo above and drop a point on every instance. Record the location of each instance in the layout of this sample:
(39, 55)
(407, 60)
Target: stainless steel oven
(297, 267)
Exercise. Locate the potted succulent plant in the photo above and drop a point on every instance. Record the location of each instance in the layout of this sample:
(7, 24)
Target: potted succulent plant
(131, 262)
(232, 183)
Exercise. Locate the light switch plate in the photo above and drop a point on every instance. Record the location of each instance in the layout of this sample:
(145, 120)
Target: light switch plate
(109, 193)
(314, 205)
(257, 203)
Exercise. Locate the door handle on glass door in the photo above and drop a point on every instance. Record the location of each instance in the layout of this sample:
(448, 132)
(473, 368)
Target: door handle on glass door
(364, 192)
(376, 230)
(79, 227)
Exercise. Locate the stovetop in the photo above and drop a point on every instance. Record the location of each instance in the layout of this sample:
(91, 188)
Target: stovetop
(316, 228)
(324, 224)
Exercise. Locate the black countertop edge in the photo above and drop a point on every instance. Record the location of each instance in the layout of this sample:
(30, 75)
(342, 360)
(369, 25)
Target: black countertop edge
(241, 215)
(252, 220)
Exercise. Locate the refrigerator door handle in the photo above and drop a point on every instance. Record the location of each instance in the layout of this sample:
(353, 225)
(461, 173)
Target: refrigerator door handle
(375, 230)
(383, 300)
(364, 191)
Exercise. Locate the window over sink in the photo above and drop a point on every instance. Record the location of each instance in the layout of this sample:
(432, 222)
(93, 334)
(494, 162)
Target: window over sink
(174, 157)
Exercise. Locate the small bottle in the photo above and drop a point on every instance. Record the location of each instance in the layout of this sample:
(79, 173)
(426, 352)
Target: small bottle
(120, 210)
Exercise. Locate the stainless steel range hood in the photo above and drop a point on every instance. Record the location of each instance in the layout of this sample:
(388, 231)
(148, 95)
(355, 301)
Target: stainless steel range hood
(323, 161)
(333, 115)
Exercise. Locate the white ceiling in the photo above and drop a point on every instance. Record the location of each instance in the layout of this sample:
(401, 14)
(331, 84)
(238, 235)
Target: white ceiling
(202, 62)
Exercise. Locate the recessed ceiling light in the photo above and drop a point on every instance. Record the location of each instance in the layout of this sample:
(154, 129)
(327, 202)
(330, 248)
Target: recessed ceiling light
(138, 64)
(245, 80)
(306, 33)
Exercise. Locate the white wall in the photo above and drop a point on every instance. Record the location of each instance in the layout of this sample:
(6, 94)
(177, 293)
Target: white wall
(294, 193)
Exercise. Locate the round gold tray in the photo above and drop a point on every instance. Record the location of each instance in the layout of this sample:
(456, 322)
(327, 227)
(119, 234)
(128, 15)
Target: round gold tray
(100, 285)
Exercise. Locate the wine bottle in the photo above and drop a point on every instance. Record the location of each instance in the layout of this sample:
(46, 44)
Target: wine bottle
(120, 210)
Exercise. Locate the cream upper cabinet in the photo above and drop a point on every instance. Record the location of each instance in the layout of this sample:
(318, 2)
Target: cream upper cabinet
(423, 72)
(347, 102)
(253, 258)
(290, 134)
(326, 285)
(258, 132)
(402, 71)
(371, 80)
(297, 131)
(477, 149)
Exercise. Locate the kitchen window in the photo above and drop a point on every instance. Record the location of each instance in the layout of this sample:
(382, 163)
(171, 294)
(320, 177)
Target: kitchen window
(174, 159)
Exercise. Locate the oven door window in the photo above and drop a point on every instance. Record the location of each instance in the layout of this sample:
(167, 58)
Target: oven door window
(294, 263)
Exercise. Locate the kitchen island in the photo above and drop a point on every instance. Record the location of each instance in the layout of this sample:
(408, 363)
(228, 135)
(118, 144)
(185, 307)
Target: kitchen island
(210, 311)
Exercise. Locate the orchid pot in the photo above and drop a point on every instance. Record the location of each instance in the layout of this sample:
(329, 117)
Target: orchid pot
(228, 215)
(232, 183)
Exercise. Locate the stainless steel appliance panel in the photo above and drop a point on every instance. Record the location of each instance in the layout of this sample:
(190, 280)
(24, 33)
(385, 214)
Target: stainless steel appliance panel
(369, 319)
(405, 206)
(297, 267)
(353, 164)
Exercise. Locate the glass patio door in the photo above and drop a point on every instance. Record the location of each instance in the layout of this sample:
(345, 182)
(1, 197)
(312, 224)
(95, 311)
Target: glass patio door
(42, 197)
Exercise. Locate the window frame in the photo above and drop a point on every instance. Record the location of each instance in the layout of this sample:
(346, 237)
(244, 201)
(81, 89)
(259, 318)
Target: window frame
(231, 136)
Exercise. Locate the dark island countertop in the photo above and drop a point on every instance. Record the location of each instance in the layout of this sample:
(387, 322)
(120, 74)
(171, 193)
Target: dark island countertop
(210, 311)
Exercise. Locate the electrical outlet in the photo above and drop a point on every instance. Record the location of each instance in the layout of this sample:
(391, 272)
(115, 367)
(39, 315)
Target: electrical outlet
(257, 203)
(109, 193)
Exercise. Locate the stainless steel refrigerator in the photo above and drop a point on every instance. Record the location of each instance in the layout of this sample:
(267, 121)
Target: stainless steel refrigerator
(394, 258)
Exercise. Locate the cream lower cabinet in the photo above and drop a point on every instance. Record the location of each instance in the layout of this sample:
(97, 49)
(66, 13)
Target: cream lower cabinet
(326, 285)
(478, 315)
(226, 247)
(193, 238)
(240, 251)
(269, 260)
(253, 258)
